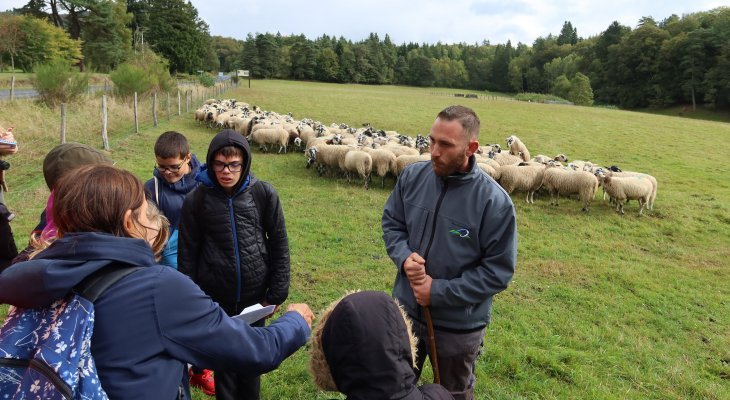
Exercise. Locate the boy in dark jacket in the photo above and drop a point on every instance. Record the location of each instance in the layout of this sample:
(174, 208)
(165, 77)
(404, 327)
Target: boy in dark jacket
(233, 243)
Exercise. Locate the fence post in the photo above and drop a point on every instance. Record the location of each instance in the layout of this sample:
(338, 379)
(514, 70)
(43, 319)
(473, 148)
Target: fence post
(104, 138)
(178, 103)
(12, 88)
(136, 114)
(154, 108)
(187, 101)
(63, 123)
(168, 106)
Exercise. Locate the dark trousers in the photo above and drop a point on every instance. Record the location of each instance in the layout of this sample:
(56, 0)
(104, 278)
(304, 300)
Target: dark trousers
(232, 385)
(457, 356)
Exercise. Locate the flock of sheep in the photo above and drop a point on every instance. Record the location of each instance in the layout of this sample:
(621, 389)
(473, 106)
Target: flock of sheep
(360, 153)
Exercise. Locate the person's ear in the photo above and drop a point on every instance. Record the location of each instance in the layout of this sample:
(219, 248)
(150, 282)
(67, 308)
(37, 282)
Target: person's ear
(472, 147)
(128, 222)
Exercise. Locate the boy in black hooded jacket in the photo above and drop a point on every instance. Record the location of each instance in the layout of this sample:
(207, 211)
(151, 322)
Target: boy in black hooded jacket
(233, 243)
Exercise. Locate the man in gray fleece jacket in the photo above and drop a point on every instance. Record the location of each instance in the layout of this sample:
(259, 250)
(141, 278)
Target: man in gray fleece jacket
(451, 231)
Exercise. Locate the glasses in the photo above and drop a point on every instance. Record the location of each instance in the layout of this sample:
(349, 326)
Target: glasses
(170, 168)
(233, 167)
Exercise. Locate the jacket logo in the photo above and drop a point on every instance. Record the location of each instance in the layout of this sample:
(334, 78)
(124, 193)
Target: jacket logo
(462, 233)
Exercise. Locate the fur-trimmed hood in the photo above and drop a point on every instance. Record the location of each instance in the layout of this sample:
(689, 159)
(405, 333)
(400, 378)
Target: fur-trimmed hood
(363, 347)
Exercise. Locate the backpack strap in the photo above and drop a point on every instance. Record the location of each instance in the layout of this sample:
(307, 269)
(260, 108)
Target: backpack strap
(259, 198)
(157, 192)
(95, 284)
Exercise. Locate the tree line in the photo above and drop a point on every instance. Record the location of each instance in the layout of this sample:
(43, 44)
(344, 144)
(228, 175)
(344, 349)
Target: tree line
(678, 60)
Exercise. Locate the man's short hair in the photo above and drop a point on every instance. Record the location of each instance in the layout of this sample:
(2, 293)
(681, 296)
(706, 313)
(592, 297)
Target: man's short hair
(172, 144)
(466, 117)
(230, 151)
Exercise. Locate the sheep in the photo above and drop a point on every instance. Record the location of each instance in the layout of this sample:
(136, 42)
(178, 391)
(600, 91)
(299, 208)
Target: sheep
(517, 148)
(521, 178)
(623, 174)
(626, 188)
(561, 157)
(490, 170)
(505, 158)
(544, 159)
(404, 160)
(306, 133)
(384, 162)
(401, 150)
(275, 135)
(558, 180)
(359, 162)
(332, 157)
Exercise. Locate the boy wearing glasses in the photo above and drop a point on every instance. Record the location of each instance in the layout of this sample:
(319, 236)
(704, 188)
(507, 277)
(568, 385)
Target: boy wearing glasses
(233, 244)
(172, 179)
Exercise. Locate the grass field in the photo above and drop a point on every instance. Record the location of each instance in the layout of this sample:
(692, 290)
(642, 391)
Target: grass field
(601, 306)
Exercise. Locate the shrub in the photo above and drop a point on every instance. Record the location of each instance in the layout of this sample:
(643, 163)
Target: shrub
(206, 80)
(541, 98)
(129, 79)
(145, 73)
(56, 83)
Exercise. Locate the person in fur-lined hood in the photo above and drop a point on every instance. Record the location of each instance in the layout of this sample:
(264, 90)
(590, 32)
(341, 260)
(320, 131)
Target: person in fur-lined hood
(363, 347)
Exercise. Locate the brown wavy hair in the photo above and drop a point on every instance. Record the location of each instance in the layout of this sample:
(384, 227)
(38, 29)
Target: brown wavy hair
(95, 198)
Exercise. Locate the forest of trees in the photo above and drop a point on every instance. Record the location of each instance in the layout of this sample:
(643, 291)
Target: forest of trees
(678, 60)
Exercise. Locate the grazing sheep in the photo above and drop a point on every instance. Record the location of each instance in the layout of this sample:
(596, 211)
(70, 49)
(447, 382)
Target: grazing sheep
(274, 135)
(561, 157)
(332, 157)
(399, 150)
(517, 148)
(623, 174)
(626, 188)
(359, 162)
(384, 162)
(489, 169)
(559, 180)
(505, 158)
(404, 160)
(522, 178)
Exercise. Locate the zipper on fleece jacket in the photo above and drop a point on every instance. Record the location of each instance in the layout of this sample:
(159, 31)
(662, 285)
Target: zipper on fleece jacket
(235, 248)
(435, 215)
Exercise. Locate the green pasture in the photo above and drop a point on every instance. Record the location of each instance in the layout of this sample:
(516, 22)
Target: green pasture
(602, 306)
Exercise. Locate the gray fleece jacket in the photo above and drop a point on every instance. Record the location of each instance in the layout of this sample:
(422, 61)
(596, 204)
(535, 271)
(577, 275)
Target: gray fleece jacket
(465, 227)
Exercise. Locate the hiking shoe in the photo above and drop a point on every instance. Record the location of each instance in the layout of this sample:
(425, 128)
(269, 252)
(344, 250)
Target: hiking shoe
(203, 381)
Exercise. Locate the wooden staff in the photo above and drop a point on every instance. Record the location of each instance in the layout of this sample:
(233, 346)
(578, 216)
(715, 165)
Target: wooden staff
(432, 345)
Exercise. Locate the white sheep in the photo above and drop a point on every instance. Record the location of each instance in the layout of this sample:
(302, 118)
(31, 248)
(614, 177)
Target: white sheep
(565, 181)
(522, 178)
(384, 162)
(517, 148)
(274, 135)
(489, 169)
(359, 162)
(404, 160)
(505, 158)
(650, 204)
(622, 189)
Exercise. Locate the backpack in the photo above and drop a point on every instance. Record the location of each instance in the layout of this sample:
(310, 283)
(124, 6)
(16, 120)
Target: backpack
(46, 352)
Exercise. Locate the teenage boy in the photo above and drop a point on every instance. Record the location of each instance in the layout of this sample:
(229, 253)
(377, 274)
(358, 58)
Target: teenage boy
(233, 243)
(172, 179)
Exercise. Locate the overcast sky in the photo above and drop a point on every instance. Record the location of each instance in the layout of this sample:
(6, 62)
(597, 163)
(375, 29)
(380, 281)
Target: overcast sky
(429, 21)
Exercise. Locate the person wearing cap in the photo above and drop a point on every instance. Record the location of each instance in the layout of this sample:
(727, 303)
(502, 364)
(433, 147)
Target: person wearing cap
(363, 347)
(59, 161)
(233, 243)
